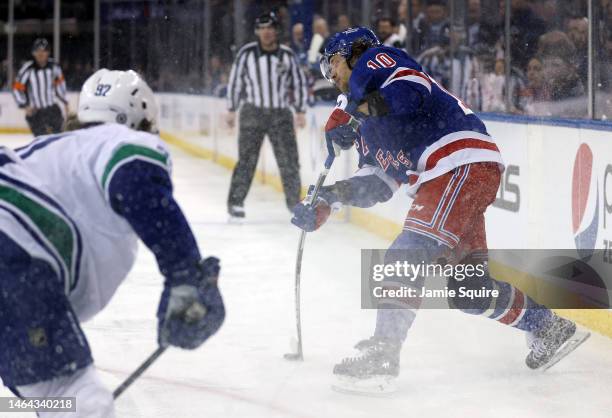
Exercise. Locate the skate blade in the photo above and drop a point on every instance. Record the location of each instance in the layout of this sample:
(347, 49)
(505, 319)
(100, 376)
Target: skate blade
(378, 386)
(570, 345)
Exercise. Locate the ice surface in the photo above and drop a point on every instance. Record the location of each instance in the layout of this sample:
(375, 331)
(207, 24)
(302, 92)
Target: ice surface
(453, 365)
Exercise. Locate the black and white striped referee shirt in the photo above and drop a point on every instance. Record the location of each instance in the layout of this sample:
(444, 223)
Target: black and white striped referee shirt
(266, 78)
(39, 87)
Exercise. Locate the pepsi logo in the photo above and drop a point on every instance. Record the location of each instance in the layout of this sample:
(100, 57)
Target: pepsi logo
(585, 202)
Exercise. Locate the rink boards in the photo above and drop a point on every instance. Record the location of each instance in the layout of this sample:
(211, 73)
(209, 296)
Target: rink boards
(556, 192)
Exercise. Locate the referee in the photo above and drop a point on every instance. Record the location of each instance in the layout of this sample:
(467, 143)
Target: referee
(266, 78)
(38, 88)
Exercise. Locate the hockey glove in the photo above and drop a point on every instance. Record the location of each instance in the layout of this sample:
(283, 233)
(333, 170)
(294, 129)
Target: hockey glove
(340, 132)
(310, 217)
(191, 307)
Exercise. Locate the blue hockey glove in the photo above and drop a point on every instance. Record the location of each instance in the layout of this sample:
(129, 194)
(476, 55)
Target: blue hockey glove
(191, 307)
(340, 132)
(310, 217)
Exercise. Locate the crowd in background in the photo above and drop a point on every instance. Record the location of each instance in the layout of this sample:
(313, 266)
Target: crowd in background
(548, 75)
(549, 53)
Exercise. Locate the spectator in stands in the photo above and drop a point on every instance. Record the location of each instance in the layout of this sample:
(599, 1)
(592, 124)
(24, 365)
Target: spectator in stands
(298, 44)
(416, 25)
(284, 19)
(472, 93)
(221, 89)
(567, 93)
(556, 43)
(343, 23)
(566, 90)
(562, 78)
(216, 76)
(402, 13)
(386, 30)
(577, 29)
(433, 27)
(320, 31)
(439, 60)
(493, 88)
(536, 90)
(548, 11)
(473, 19)
(486, 89)
(525, 29)
(320, 88)
(436, 60)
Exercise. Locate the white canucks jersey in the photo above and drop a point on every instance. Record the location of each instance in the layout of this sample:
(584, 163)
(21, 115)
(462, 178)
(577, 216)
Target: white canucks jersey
(34, 219)
(75, 168)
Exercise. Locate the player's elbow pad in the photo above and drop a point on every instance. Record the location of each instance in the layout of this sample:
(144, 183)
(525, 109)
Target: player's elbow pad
(358, 191)
(141, 192)
(139, 187)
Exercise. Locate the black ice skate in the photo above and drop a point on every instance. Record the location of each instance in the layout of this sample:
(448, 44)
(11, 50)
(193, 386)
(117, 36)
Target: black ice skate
(553, 342)
(236, 213)
(372, 371)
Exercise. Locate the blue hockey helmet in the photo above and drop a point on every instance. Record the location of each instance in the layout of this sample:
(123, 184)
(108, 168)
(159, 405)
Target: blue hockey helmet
(342, 43)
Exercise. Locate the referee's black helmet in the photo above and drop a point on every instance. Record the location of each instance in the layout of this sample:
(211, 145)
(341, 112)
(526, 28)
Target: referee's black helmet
(266, 20)
(40, 43)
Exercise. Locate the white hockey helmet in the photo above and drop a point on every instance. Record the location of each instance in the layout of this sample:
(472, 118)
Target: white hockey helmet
(119, 97)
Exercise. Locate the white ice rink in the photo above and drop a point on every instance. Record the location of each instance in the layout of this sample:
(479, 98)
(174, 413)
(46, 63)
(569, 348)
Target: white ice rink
(453, 365)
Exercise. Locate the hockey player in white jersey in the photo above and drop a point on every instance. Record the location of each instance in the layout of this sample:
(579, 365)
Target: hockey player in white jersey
(72, 208)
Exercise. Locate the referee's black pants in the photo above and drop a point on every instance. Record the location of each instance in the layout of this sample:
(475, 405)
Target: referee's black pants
(46, 120)
(255, 123)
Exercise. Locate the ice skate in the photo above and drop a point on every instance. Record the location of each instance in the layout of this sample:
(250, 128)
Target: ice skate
(553, 342)
(372, 371)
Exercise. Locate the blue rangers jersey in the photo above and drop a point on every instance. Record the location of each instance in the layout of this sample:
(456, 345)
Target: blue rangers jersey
(416, 130)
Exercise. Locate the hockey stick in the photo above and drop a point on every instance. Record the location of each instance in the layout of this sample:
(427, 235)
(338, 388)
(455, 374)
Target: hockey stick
(139, 371)
(299, 354)
(194, 313)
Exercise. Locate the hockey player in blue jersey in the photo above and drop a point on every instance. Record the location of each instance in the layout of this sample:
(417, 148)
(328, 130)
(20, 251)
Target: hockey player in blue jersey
(72, 209)
(409, 130)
